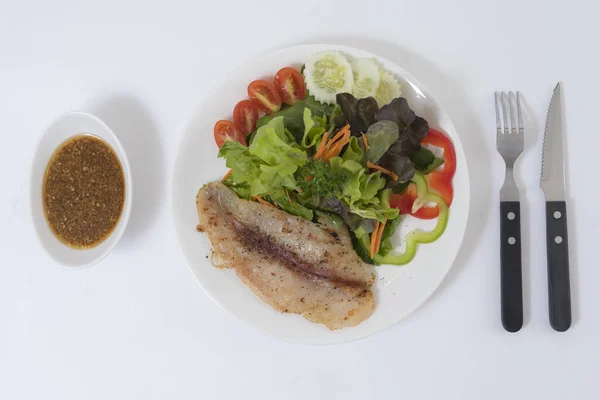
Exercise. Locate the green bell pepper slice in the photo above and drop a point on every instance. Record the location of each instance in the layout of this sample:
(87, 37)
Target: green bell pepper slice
(417, 236)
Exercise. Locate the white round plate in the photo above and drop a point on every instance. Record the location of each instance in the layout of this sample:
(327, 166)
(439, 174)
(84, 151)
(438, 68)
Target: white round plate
(398, 290)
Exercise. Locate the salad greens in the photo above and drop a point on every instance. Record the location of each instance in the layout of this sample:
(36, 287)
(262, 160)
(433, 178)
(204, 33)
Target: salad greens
(413, 128)
(340, 163)
(381, 136)
(294, 115)
(359, 113)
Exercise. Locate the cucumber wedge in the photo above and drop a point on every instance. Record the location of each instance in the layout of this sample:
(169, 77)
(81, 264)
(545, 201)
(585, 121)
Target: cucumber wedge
(326, 74)
(366, 78)
(388, 88)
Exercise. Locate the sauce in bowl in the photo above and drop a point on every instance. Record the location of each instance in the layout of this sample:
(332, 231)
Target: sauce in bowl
(83, 191)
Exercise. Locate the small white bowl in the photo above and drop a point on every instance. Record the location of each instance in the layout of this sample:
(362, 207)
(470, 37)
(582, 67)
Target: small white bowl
(62, 128)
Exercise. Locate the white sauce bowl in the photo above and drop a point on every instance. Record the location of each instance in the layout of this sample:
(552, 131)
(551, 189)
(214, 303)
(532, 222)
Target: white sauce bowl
(61, 129)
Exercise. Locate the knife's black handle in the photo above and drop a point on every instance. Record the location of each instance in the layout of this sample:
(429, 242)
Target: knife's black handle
(511, 282)
(557, 244)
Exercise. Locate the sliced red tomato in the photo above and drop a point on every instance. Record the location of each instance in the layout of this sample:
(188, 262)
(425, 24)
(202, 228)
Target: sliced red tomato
(264, 95)
(290, 84)
(245, 115)
(226, 131)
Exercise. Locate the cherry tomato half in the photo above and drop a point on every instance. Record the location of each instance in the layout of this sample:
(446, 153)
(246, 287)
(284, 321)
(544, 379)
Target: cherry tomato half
(226, 131)
(264, 95)
(290, 84)
(245, 115)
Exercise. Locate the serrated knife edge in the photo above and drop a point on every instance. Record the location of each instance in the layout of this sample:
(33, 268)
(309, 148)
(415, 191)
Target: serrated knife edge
(552, 171)
(546, 129)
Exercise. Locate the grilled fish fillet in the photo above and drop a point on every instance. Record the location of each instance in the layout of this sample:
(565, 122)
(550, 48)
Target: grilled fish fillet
(292, 264)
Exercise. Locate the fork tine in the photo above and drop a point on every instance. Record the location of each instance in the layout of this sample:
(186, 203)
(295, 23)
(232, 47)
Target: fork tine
(511, 103)
(498, 123)
(520, 116)
(504, 107)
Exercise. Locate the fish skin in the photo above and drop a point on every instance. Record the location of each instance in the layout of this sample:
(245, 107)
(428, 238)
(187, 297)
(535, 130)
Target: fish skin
(292, 264)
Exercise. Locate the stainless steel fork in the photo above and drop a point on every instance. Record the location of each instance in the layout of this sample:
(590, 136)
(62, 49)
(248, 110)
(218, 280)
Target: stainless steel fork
(510, 143)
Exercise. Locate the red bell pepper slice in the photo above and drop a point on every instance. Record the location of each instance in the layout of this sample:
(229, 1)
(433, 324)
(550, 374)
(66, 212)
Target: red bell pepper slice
(438, 139)
(439, 181)
(404, 201)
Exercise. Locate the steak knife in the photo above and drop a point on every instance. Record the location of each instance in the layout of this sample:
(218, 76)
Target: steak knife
(557, 244)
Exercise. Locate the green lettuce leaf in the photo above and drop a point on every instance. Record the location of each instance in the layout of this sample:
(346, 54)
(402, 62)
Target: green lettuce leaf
(272, 145)
(354, 151)
(267, 165)
(351, 189)
(381, 136)
(294, 116)
(313, 129)
(294, 208)
(369, 186)
(425, 161)
(375, 213)
(386, 237)
(353, 221)
(244, 166)
(330, 219)
(242, 189)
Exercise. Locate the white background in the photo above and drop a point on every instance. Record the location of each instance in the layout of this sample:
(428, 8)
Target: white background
(138, 326)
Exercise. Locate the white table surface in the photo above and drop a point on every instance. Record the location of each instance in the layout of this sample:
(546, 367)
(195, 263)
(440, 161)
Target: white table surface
(138, 326)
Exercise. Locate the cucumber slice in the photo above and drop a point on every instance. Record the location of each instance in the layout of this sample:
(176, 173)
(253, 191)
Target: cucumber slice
(366, 78)
(388, 89)
(326, 74)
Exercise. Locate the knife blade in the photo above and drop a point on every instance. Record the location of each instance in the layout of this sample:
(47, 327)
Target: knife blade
(553, 185)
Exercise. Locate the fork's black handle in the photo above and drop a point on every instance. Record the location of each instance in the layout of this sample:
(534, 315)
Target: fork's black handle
(511, 283)
(557, 245)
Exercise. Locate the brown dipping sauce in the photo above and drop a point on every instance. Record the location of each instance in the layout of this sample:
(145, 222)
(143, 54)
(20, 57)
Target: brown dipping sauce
(84, 191)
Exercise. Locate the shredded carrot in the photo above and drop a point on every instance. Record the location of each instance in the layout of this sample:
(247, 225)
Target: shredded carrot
(335, 149)
(321, 148)
(338, 135)
(288, 196)
(332, 152)
(263, 202)
(383, 170)
(374, 239)
(227, 174)
(380, 235)
(365, 141)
